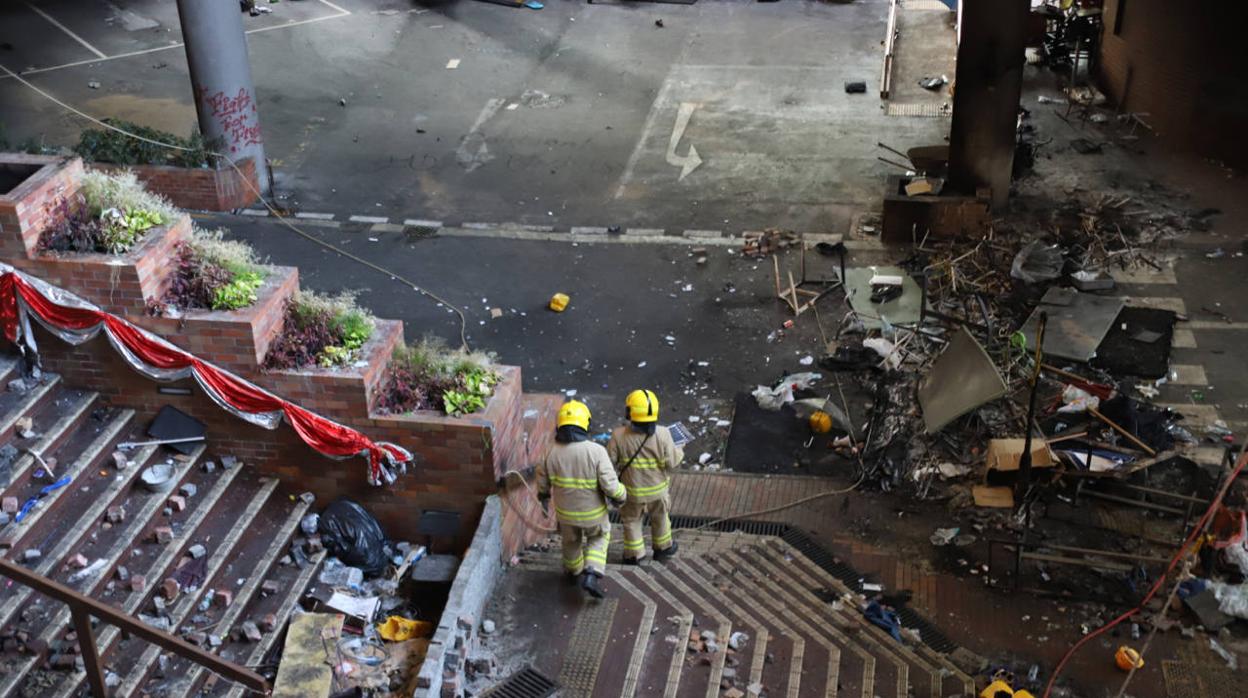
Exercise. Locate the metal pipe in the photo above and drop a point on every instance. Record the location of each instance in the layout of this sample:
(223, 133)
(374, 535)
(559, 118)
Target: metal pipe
(1132, 502)
(82, 607)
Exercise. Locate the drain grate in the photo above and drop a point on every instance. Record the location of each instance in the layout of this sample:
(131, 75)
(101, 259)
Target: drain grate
(930, 110)
(526, 683)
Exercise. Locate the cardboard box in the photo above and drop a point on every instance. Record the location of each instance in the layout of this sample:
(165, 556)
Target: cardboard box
(1004, 454)
(919, 186)
(993, 497)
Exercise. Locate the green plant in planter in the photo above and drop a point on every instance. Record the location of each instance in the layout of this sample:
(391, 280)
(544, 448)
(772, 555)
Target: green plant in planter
(462, 402)
(238, 293)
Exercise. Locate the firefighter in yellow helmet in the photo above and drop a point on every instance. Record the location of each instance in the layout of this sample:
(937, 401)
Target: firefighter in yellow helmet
(578, 476)
(644, 456)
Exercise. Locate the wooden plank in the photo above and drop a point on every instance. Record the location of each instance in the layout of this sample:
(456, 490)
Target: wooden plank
(307, 668)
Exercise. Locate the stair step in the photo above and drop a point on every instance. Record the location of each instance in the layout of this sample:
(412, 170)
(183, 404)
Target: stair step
(55, 423)
(114, 553)
(752, 657)
(642, 640)
(47, 566)
(221, 622)
(226, 550)
(891, 672)
(717, 621)
(129, 601)
(856, 674)
(76, 460)
(819, 665)
(257, 653)
(668, 683)
(15, 405)
(946, 678)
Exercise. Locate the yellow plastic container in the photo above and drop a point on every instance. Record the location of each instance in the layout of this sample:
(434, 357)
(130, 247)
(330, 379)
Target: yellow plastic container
(559, 301)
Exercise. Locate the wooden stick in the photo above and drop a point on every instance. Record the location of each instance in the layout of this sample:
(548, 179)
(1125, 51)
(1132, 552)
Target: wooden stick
(1066, 374)
(1143, 446)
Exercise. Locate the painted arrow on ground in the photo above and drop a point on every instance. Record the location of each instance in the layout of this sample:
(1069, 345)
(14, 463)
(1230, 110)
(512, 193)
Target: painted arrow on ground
(690, 162)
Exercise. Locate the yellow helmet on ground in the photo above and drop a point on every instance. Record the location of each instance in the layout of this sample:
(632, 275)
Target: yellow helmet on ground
(643, 406)
(820, 422)
(575, 413)
(1127, 658)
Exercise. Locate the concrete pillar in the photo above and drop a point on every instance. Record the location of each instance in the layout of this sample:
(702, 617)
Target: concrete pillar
(986, 96)
(225, 99)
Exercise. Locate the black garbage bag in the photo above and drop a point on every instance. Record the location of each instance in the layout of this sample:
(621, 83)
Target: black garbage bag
(352, 535)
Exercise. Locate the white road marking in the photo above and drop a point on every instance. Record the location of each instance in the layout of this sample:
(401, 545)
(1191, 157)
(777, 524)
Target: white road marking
(472, 151)
(1215, 325)
(341, 11)
(651, 118)
(422, 223)
(1188, 374)
(689, 162)
(172, 45)
(368, 219)
(308, 215)
(66, 29)
(1183, 339)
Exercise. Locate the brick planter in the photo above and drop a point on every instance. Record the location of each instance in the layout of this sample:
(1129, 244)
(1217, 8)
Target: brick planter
(196, 188)
(120, 284)
(31, 189)
(233, 339)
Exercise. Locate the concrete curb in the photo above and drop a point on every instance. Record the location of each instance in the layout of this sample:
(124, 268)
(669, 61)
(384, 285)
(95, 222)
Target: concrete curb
(461, 619)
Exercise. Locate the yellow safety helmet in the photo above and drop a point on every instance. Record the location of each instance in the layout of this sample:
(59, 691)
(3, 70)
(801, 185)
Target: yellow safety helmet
(820, 422)
(574, 412)
(643, 406)
(1127, 658)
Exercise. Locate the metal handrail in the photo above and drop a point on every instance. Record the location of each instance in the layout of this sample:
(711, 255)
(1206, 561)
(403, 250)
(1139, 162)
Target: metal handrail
(82, 607)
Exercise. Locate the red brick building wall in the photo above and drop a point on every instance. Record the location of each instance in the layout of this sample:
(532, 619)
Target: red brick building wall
(197, 189)
(1181, 63)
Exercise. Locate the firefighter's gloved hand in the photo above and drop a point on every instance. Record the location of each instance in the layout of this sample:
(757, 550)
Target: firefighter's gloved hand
(618, 502)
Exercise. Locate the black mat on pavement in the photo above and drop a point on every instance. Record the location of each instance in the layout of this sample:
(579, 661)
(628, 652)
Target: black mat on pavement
(774, 442)
(1122, 352)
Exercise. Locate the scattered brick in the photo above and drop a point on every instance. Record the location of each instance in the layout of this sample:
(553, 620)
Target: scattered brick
(269, 587)
(120, 461)
(314, 545)
(177, 503)
(197, 551)
(197, 637)
(164, 534)
(116, 514)
(188, 490)
(10, 505)
(223, 597)
(251, 632)
(79, 561)
(269, 622)
(138, 582)
(170, 588)
(123, 573)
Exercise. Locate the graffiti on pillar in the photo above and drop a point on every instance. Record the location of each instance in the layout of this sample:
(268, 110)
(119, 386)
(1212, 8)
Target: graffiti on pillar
(237, 116)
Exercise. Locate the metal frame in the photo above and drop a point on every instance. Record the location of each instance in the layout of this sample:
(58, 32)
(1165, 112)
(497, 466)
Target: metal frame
(82, 608)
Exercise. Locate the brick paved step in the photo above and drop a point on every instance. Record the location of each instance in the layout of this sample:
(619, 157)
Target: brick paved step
(954, 681)
(744, 665)
(247, 552)
(665, 649)
(706, 617)
(48, 621)
(942, 677)
(248, 603)
(895, 675)
(221, 533)
(14, 404)
(785, 673)
(296, 581)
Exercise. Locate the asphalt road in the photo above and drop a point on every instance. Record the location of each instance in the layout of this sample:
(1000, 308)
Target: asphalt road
(576, 115)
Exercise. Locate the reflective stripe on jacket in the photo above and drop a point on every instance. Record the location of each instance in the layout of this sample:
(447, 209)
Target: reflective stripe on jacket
(646, 479)
(580, 479)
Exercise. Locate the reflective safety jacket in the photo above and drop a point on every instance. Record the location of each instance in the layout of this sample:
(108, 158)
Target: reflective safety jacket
(647, 477)
(580, 480)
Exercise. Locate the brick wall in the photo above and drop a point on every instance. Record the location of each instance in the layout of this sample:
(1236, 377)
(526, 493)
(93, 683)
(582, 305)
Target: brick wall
(459, 459)
(29, 209)
(1178, 61)
(197, 189)
(121, 284)
(236, 340)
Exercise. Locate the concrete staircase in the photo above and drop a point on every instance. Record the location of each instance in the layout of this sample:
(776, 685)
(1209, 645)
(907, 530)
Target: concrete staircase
(806, 634)
(220, 532)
